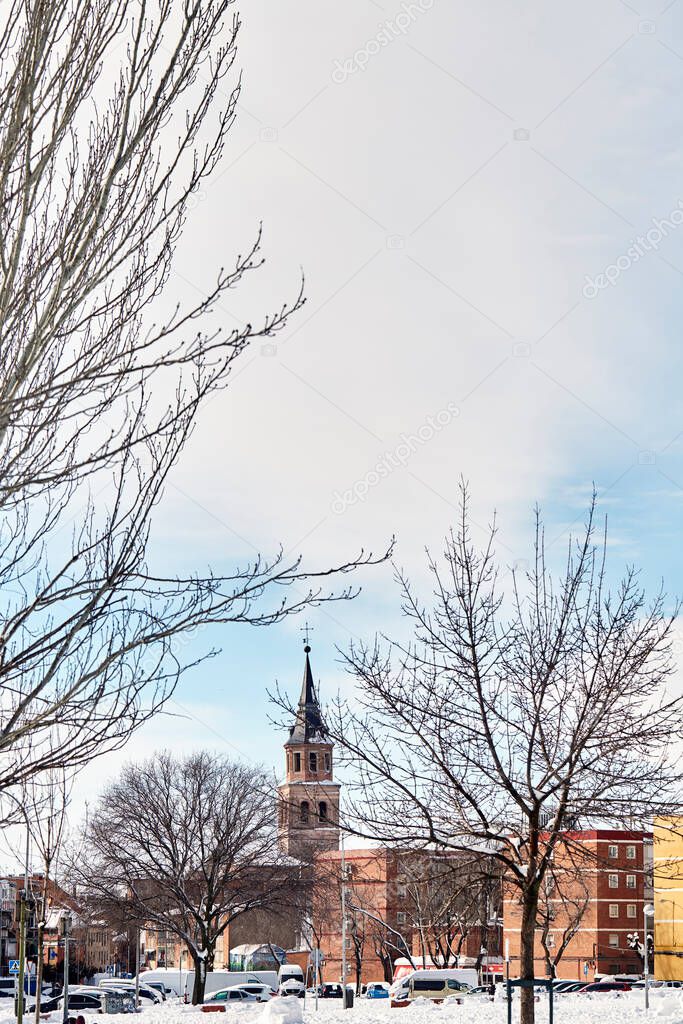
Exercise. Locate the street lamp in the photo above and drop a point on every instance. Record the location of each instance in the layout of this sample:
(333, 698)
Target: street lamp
(65, 928)
(648, 911)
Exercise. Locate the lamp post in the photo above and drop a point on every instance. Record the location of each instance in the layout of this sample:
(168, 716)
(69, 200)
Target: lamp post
(648, 911)
(343, 924)
(65, 928)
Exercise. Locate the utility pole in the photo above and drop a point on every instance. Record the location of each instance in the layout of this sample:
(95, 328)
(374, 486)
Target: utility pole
(343, 913)
(648, 911)
(22, 957)
(66, 926)
(137, 969)
(22, 933)
(316, 970)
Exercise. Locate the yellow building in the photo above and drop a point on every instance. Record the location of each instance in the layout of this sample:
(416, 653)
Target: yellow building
(668, 898)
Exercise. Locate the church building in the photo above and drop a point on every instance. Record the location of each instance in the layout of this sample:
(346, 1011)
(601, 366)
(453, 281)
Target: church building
(308, 799)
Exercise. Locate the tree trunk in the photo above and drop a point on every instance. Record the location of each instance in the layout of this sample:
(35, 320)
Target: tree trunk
(199, 979)
(39, 966)
(527, 937)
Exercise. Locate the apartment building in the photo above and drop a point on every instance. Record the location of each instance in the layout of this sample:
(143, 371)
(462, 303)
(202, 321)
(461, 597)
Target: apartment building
(596, 909)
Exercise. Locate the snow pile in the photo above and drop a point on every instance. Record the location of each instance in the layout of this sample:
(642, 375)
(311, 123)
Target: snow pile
(669, 1006)
(283, 1010)
(422, 1003)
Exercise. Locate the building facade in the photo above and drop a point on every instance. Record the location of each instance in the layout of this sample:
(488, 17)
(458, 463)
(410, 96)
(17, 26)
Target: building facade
(598, 906)
(668, 898)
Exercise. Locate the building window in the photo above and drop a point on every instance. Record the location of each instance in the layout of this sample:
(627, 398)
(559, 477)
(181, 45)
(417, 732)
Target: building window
(303, 812)
(297, 762)
(614, 941)
(631, 910)
(322, 810)
(614, 910)
(313, 761)
(328, 763)
(614, 881)
(630, 881)
(401, 892)
(400, 917)
(613, 852)
(630, 853)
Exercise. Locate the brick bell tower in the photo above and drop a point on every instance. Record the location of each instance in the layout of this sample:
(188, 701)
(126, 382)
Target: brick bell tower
(308, 799)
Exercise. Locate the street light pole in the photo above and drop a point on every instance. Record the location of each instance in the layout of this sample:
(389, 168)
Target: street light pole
(648, 911)
(137, 970)
(22, 929)
(66, 925)
(343, 913)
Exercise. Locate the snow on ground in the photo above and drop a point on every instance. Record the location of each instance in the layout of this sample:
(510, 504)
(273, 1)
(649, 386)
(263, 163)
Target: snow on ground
(609, 1008)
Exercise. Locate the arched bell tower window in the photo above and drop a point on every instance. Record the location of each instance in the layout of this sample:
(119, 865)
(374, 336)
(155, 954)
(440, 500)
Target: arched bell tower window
(303, 812)
(313, 761)
(322, 810)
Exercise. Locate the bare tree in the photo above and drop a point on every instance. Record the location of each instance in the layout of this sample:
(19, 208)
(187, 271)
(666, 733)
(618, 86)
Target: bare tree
(550, 702)
(186, 845)
(113, 114)
(447, 897)
(46, 801)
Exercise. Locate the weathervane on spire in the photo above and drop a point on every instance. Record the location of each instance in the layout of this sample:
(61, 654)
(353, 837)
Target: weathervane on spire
(306, 629)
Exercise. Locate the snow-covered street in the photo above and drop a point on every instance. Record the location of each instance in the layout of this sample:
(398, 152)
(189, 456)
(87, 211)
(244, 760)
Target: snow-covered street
(626, 1008)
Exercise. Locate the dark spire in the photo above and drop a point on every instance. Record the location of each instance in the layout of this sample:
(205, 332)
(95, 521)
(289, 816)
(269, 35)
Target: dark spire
(308, 724)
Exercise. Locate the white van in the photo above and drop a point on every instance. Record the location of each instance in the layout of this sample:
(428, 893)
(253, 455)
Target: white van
(291, 981)
(182, 982)
(434, 984)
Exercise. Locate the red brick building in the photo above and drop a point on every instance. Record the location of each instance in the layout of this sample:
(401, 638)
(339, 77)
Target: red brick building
(387, 914)
(599, 903)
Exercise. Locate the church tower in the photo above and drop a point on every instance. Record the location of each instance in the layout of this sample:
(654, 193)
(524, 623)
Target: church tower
(308, 799)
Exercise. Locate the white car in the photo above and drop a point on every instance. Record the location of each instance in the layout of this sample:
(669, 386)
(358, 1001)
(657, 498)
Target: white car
(219, 1000)
(261, 992)
(148, 996)
(292, 987)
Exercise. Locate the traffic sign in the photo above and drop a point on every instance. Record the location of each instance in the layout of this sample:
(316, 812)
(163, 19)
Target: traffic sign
(14, 966)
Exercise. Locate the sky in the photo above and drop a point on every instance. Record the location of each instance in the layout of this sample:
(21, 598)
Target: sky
(487, 202)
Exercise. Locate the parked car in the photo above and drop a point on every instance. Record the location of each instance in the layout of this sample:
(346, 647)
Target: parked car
(159, 987)
(570, 986)
(219, 1001)
(429, 985)
(148, 996)
(261, 993)
(94, 1000)
(47, 1005)
(376, 990)
(605, 986)
(293, 987)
